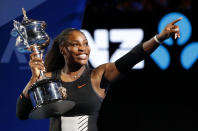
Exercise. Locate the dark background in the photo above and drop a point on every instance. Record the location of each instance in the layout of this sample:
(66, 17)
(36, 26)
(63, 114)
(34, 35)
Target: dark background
(149, 98)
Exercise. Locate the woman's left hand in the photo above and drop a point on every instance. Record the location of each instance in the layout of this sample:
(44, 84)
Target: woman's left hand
(169, 30)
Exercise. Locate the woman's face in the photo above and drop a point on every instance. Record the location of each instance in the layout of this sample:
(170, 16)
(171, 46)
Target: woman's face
(76, 49)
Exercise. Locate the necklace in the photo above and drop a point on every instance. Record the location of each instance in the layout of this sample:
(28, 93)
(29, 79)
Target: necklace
(73, 76)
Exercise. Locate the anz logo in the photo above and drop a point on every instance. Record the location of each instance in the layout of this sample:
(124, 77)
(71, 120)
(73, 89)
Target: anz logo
(189, 54)
(99, 44)
(128, 38)
(131, 37)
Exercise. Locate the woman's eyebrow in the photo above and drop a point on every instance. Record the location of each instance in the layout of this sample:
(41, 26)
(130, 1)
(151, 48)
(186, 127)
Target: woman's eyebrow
(77, 40)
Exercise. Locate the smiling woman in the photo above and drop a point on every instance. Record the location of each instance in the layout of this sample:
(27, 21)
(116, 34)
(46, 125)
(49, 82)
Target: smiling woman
(67, 61)
(76, 48)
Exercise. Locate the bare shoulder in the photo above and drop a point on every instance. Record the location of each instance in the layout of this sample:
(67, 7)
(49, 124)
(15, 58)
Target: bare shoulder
(104, 67)
(48, 74)
(109, 70)
(98, 71)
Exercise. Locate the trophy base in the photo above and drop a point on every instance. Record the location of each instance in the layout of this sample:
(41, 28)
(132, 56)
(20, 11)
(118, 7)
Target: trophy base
(56, 108)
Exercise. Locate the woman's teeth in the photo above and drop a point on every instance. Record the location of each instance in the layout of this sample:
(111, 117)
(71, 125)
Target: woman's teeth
(83, 56)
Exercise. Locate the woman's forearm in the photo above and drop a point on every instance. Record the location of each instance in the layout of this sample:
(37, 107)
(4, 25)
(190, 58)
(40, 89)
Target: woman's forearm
(24, 104)
(150, 45)
(137, 54)
(126, 62)
(23, 107)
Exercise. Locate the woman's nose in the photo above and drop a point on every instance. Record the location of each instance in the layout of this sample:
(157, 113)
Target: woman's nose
(81, 48)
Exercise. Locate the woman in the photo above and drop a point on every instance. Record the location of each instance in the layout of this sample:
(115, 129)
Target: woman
(67, 61)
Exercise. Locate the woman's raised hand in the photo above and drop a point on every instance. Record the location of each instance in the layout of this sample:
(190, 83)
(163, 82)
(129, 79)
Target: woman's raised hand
(169, 30)
(36, 64)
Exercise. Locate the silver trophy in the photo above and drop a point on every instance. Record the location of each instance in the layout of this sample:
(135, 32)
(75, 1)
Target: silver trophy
(45, 94)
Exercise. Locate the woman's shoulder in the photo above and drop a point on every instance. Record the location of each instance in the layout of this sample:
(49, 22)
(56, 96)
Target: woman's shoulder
(103, 67)
(48, 74)
(108, 70)
(99, 71)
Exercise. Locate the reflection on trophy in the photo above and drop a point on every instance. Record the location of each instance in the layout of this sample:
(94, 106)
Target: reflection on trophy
(45, 94)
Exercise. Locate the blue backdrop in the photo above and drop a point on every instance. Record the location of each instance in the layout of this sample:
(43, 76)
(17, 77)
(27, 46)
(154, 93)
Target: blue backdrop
(14, 70)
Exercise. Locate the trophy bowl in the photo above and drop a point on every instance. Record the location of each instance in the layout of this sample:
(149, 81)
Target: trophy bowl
(31, 30)
(46, 98)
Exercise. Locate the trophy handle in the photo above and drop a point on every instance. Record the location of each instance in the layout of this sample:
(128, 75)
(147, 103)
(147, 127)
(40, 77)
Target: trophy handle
(19, 27)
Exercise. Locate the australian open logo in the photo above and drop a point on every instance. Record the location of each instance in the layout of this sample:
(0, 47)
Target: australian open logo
(188, 55)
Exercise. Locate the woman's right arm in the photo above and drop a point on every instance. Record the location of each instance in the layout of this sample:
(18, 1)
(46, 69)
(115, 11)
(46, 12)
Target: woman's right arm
(139, 52)
(24, 104)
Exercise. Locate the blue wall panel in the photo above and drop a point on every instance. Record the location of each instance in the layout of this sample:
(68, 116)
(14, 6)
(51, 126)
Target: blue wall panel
(14, 69)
